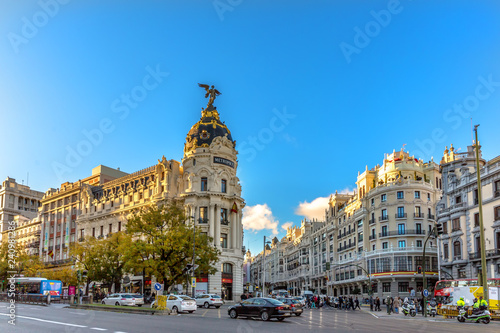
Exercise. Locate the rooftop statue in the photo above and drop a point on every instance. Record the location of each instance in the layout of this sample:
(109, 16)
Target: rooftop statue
(212, 93)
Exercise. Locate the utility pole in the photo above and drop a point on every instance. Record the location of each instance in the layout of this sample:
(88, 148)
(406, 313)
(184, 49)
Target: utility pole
(424, 308)
(484, 272)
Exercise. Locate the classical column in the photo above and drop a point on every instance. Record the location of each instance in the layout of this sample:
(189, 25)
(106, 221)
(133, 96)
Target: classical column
(240, 230)
(234, 230)
(217, 226)
(211, 218)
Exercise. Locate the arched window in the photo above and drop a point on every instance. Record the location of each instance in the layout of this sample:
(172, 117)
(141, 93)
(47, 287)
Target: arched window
(227, 268)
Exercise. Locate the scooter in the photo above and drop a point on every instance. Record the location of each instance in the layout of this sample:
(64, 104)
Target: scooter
(432, 310)
(409, 309)
(482, 317)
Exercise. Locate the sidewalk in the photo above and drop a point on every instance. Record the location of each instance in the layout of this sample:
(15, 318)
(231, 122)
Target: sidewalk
(400, 315)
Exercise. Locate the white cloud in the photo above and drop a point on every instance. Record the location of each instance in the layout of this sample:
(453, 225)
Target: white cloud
(259, 217)
(347, 190)
(314, 209)
(286, 225)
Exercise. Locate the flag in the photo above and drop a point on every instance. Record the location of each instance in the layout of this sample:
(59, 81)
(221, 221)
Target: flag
(51, 254)
(234, 209)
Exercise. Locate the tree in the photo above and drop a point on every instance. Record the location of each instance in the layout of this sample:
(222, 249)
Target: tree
(30, 265)
(65, 274)
(112, 257)
(163, 244)
(86, 255)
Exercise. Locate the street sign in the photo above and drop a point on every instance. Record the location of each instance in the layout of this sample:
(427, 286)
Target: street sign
(157, 286)
(193, 282)
(412, 293)
(425, 292)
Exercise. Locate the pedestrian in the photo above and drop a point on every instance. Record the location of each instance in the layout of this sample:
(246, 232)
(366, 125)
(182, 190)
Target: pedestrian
(392, 304)
(341, 302)
(377, 304)
(388, 304)
(356, 302)
(396, 305)
(351, 303)
(371, 303)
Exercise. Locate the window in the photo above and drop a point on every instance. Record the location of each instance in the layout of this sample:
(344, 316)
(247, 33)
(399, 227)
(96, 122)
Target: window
(445, 251)
(497, 213)
(102, 230)
(223, 186)
(223, 241)
(401, 195)
(445, 227)
(455, 224)
(204, 184)
(223, 216)
(418, 228)
(475, 197)
(418, 212)
(403, 287)
(401, 229)
(385, 245)
(401, 243)
(417, 194)
(386, 287)
(428, 197)
(476, 220)
(373, 201)
(82, 233)
(384, 215)
(383, 197)
(401, 212)
(384, 231)
(458, 199)
(419, 243)
(497, 189)
(203, 215)
(457, 251)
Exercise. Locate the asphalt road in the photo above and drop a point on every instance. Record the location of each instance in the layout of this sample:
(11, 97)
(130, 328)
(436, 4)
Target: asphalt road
(56, 318)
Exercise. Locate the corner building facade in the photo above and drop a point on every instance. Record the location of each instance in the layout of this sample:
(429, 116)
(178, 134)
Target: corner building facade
(206, 184)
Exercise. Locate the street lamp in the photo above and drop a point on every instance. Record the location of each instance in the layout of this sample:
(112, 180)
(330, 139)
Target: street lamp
(264, 268)
(194, 245)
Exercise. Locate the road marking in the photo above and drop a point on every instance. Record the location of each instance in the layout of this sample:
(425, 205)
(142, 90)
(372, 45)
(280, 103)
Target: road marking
(204, 313)
(98, 329)
(374, 315)
(78, 313)
(47, 321)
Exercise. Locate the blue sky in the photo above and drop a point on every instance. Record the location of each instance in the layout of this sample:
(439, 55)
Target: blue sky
(311, 90)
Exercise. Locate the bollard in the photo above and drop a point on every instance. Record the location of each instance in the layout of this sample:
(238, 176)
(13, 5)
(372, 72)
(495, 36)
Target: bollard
(91, 299)
(48, 299)
(71, 299)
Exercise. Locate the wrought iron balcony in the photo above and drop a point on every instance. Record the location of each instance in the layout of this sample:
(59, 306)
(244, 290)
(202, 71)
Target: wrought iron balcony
(400, 215)
(401, 232)
(383, 218)
(203, 220)
(418, 215)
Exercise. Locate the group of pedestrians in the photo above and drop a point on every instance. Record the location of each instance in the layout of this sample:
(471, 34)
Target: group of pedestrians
(348, 303)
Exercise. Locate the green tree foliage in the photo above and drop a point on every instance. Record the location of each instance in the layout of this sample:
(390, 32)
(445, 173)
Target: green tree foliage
(86, 256)
(163, 244)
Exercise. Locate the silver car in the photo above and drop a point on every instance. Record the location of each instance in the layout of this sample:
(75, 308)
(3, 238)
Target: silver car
(208, 300)
(119, 299)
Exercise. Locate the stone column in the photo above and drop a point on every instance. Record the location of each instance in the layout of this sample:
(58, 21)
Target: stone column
(211, 220)
(217, 226)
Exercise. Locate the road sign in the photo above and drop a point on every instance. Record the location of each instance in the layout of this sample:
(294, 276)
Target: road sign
(412, 293)
(193, 282)
(425, 292)
(157, 286)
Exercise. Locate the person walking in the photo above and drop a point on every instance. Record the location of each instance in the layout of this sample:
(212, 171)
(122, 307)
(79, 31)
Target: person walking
(377, 304)
(388, 303)
(351, 303)
(356, 304)
(341, 302)
(396, 305)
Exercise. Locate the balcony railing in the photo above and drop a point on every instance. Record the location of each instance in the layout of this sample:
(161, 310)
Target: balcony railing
(418, 215)
(489, 253)
(400, 215)
(371, 221)
(372, 237)
(497, 194)
(224, 222)
(202, 220)
(401, 232)
(383, 218)
(431, 217)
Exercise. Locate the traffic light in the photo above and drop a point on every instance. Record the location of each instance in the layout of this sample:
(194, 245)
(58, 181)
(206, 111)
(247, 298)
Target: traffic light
(327, 266)
(419, 269)
(439, 229)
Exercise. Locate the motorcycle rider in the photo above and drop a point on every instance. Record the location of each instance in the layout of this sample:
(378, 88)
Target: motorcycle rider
(483, 305)
(460, 302)
(475, 307)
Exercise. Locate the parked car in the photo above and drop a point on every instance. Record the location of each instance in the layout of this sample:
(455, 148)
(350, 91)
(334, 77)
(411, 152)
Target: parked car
(208, 300)
(119, 299)
(139, 299)
(181, 303)
(264, 308)
(294, 304)
(301, 299)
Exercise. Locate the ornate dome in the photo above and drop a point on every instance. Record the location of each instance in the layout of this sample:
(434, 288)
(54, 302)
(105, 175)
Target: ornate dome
(206, 130)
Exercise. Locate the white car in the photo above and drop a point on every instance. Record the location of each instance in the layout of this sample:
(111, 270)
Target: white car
(181, 303)
(208, 300)
(119, 299)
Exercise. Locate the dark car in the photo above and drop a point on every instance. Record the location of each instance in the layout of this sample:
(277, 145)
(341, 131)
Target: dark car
(294, 304)
(265, 308)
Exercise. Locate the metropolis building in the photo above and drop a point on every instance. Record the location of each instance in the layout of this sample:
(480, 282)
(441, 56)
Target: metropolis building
(205, 183)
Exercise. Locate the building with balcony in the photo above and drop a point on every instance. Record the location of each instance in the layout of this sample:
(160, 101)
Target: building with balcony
(27, 234)
(458, 211)
(17, 199)
(371, 239)
(206, 184)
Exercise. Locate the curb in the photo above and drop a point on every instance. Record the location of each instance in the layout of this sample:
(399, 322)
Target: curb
(131, 310)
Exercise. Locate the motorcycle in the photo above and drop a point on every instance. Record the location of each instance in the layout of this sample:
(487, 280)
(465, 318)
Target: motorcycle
(432, 310)
(409, 309)
(483, 316)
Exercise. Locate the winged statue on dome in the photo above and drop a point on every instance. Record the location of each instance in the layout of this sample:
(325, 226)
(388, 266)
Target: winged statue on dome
(212, 93)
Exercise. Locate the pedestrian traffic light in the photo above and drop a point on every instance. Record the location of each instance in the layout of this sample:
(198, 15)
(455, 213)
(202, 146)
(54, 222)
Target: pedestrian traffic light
(419, 269)
(439, 229)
